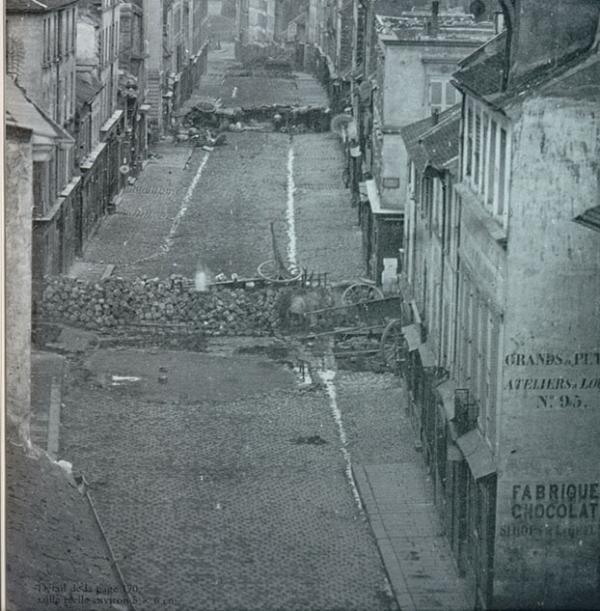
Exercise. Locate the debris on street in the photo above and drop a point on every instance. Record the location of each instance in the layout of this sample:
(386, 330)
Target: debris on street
(116, 302)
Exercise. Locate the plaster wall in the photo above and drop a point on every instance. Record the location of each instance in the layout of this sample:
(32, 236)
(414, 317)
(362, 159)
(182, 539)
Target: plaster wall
(19, 206)
(548, 504)
(408, 68)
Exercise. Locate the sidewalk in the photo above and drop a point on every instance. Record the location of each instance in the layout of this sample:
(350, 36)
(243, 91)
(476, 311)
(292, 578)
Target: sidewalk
(415, 552)
(397, 496)
(47, 371)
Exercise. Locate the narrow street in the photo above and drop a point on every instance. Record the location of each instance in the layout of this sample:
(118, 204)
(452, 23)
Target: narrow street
(223, 477)
(193, 209)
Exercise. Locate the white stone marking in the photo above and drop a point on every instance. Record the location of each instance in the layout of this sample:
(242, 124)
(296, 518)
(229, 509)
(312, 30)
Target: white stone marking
(290, 214)
(117, 380)
(166, 247)
(328, 377)
(234, 92)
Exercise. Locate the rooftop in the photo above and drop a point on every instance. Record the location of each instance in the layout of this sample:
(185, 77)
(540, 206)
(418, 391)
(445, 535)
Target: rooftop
(20, 111)
(51, 535)
(35, 6)
(434, 142)
(574, 76)
(417, 25)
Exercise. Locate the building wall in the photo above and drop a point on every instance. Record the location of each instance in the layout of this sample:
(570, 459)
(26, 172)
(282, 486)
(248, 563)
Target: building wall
(153, 11)
(18, 174)
(405, 75)
(44, 67)
(549, 436)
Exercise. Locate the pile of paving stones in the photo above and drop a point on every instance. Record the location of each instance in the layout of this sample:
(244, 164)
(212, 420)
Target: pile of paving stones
(116, 302)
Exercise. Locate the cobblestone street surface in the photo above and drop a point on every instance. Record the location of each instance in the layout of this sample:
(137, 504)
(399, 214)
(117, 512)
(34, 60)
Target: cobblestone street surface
(224, 488)
(167, 224)
(192, 209)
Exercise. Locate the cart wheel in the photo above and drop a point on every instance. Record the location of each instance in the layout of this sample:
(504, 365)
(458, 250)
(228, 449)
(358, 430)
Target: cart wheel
(270, 271)
(392, 345)
(360, 291)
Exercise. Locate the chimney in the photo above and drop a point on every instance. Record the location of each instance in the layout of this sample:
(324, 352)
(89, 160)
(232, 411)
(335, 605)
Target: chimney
(435, 17)
(435, 115)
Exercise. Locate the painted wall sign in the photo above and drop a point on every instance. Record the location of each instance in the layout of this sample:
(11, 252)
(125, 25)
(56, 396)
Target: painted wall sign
(558, 509)
(555, 381)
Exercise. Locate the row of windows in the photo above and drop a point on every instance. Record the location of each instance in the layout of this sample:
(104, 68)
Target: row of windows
(59, 35)
(109, 44)
(486, 157)
(476, 329)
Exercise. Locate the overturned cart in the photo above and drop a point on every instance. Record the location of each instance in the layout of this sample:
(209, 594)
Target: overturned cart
(371, 327)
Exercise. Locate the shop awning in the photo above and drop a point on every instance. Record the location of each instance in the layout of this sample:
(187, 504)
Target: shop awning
(375, 200)
(427, 356)
(477, 454)
(446, 391)
(412, 335)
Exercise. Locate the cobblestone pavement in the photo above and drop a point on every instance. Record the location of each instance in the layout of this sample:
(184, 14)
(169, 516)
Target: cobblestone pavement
(235, 501)
(374, 408)
(192, 209)
(328, 238)
(227, 81)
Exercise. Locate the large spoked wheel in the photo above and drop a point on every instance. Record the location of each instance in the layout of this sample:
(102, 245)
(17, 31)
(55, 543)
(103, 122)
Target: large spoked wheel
(270, 271)
(361, 291)
(393, 347)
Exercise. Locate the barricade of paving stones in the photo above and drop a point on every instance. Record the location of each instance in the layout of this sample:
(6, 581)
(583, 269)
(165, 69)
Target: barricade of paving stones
(117, 302)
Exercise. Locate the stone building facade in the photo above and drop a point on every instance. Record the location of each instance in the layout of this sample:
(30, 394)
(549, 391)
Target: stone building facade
(177, 46)
(32, 138)
(133, 88)
(503, 370)
(410, 61)
(40, 54)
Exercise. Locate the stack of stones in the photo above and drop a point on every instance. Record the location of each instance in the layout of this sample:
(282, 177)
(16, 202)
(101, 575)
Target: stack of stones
(116, 302)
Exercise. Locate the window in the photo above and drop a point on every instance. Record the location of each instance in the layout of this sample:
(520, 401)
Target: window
(45, 53)
(491, 166)
(73, 30)
(442, 94)
(435, 95)
(502, 173)
(447, 217)
(101, 50)
(40, 187)
(468, 135)
(261, 20)
(486, 156)
(494, 373)
(476, 148)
